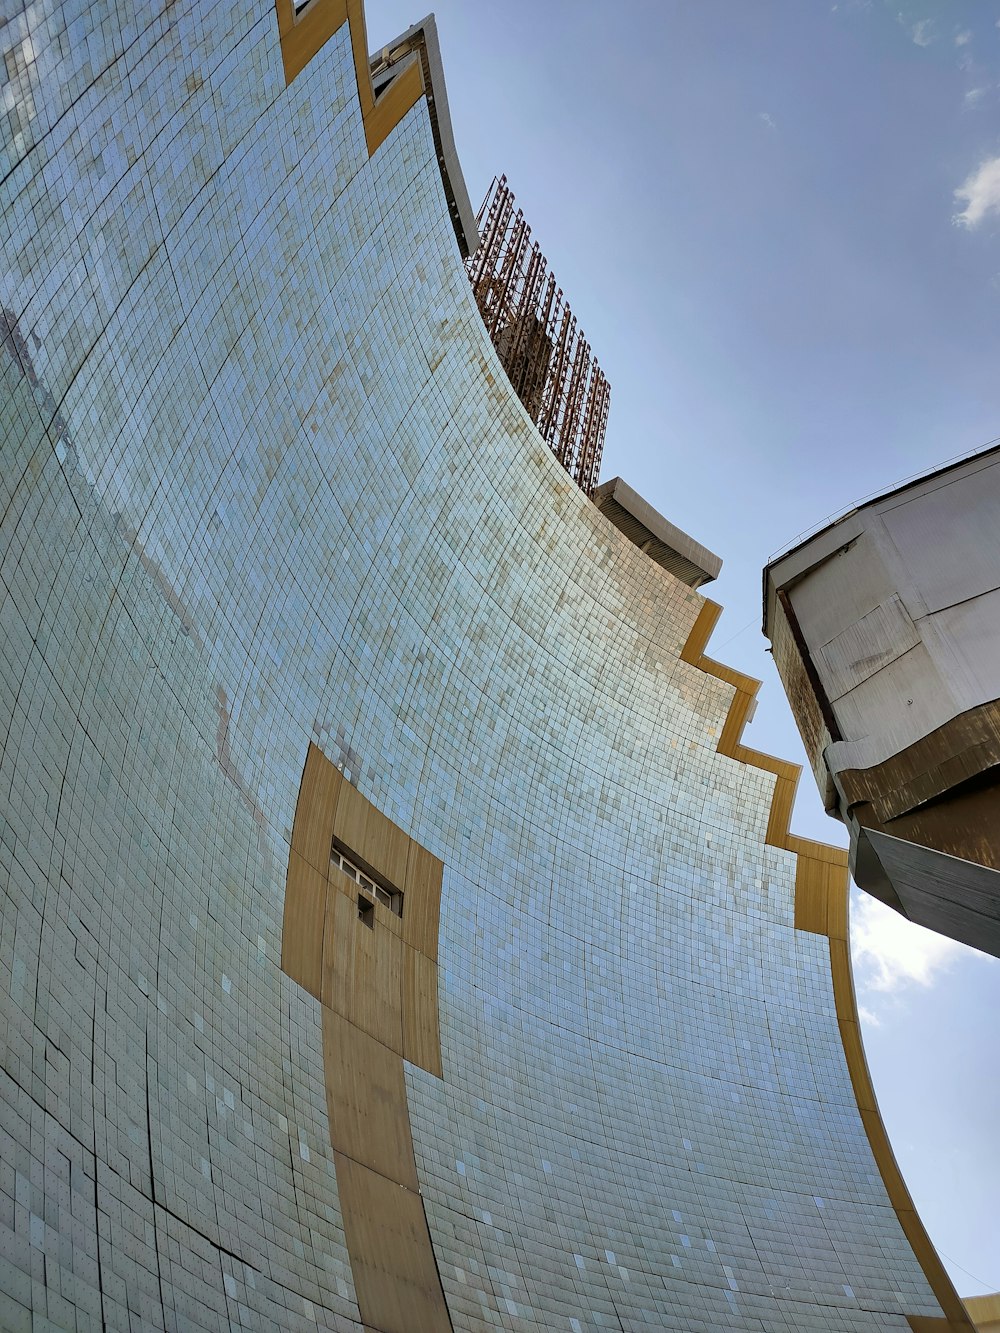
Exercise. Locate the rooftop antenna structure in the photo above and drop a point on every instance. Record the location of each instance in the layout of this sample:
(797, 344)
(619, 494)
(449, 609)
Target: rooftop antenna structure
(541, 347)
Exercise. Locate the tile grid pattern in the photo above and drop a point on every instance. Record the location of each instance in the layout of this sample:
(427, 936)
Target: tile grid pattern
(263, 482)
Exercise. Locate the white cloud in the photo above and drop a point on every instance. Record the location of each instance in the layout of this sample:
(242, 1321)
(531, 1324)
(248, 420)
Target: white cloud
(980, 193)
(766, 118)
(963, 38)
(921, 32)
(891, 953)
(974, 95)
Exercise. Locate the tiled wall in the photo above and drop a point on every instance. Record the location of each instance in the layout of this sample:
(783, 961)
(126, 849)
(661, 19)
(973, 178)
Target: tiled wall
(263, 482)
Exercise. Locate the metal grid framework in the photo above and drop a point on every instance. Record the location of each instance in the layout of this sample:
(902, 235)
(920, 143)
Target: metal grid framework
(542, 349)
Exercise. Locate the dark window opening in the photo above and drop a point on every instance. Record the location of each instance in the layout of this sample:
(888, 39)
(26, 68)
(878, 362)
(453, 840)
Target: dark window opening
(377, 885)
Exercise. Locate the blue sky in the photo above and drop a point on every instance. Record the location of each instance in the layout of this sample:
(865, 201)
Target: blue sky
(778, 222)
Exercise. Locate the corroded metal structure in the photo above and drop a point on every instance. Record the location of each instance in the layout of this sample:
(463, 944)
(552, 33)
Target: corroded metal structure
(547, 359)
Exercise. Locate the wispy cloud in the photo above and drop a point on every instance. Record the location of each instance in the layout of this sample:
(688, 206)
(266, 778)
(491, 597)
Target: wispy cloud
(891, 953)
(964, 37)
(974, 96)
(767, 119)
(921, 32)
(980, 194)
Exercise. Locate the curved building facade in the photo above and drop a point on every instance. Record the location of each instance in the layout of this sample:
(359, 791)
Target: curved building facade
(564, 1038)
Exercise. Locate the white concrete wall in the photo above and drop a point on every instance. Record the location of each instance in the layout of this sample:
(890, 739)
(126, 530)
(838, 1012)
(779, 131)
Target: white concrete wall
(899, 606)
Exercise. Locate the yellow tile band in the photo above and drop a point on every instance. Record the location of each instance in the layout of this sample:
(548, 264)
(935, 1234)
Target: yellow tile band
(821, 900)
(379, 992)
(304, 34)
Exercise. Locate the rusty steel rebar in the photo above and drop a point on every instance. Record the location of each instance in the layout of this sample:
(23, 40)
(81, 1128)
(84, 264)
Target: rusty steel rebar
(541, 347)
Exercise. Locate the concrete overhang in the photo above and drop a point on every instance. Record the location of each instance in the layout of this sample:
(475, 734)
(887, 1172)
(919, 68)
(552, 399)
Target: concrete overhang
(945, 893)
(664, 543)
(885, 630)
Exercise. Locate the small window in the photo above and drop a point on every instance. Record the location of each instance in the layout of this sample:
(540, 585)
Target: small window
(366, 911)
(379, 888)
(392, 898)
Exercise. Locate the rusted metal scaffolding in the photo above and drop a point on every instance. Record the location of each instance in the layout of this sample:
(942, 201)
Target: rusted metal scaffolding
(547, 359)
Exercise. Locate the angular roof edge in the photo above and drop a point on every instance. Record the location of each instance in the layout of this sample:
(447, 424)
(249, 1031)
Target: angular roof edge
(421, 40)
(841, 519)
(685, 558)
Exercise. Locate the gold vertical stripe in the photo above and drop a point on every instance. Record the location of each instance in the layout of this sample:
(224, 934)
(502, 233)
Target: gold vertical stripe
(395, 1275)
(303, 35)
(821, 898)
(378, 987)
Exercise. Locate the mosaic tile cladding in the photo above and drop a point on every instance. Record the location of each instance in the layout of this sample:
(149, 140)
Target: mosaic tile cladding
(263, 485)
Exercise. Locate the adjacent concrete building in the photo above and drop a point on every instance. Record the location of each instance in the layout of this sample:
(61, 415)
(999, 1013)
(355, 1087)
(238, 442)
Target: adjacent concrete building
(395, 933)
(885, 629)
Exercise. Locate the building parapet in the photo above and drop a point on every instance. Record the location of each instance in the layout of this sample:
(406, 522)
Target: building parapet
(671, 548)
(420, 44)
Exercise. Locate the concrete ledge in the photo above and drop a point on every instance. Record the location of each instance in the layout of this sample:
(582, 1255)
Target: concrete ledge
(685, 558)
(954, 897)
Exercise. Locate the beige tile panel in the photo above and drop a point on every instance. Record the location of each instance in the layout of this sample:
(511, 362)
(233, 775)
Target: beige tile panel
(375, 840)
(843, 981)
(395, 1276)
(812, 890)
(422, 904)
(366, 1101)
(302, 37)
(363, 973)
(304, 920)
(379, 995)
(380, 117)
(314, 814)
(392, 106)
(818, 851)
